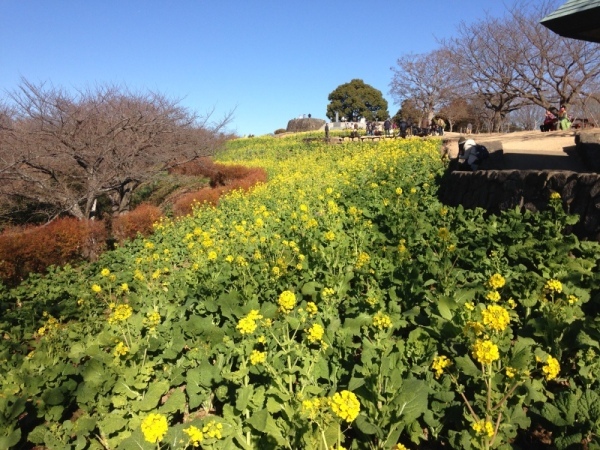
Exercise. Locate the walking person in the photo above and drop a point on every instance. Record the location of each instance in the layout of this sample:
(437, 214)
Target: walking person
(441, 125)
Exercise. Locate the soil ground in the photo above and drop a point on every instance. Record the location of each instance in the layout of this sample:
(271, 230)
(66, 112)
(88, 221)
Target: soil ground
(531, 150)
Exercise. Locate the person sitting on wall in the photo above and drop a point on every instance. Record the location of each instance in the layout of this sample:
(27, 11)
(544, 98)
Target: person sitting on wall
(549, 122)
(470, 154)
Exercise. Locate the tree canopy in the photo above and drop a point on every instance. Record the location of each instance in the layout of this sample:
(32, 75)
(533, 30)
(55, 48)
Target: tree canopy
(64, 150)
(499, 66)
(355, 100)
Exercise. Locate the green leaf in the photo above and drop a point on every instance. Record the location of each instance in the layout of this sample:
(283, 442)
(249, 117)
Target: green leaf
(53, 396)
(411, 401)
(263, 422)
(175, 402)
(466, 365)
(152, 397)
(445, 306)
(111, 423)
(230, 305)
(243, 397)
(11, 439)
(365, 425)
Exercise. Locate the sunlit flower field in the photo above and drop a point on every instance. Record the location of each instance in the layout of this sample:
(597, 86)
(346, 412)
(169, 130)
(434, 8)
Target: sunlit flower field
(340, 305)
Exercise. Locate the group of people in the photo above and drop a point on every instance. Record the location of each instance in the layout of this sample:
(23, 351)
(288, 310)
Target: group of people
(556, 120)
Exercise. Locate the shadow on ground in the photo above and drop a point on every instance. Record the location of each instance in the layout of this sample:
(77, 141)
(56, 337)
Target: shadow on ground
(569, 161)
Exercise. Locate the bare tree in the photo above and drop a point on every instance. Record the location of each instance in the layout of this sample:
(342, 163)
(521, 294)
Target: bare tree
(486, 66)
(455, 111)
(67, 150)
(428, 79)
(552, 70)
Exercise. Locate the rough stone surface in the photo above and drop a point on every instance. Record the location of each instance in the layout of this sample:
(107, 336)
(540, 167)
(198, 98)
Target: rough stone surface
(298, 125)
(498, 190)
(588, 148)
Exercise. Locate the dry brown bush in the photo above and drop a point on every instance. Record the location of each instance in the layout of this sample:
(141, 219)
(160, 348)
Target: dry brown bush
(34, 249)
(138, 221)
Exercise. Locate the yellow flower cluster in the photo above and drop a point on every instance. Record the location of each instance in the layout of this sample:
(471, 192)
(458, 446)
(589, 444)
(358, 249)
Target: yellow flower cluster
(96, 288)
(49, 327)
(311, 407)
(196, 436)
(444, 234)
(381, 321)
(247, 324)
(555, 196)
(439, 364)
(493, 296)
(121, 313)
(345, 405)
(551, 369)
(485, 351)
(399, 447)
(152, 319)
(312, 308)
(213, 430)
(287, 301)
(495, 317)
(105, 272)
(121, 349)
(362, 260)
(315, 333)
(496, 281)
(484, 428)
(154, 428)
(553, 286)
(257, 357)
(327, 292)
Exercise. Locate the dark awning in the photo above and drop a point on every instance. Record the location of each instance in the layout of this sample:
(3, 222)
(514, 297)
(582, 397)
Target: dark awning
(577, 19)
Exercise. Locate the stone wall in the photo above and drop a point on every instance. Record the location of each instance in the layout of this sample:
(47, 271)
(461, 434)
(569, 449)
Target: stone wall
(498, 190)
(588, 148)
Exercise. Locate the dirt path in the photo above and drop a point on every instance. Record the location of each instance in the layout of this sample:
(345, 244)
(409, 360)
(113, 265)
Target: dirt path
(531, 150)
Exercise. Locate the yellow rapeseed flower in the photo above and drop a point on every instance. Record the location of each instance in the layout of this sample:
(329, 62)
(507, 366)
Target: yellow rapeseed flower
(196, 436)
(247, 324)
(495, 317)
(485, 351)
(121, 313)
(257, 357)
(553, 286)
(484, 428)
(345, 405)
(551, 368)
(96, 288)
(493, 296)
(496, 281)
(212, 430)
(154, 428)
(315, 333)
(287, 301)
(105, 272)
(312, 308)
(381, 321)
(439, 364)
(121, 349)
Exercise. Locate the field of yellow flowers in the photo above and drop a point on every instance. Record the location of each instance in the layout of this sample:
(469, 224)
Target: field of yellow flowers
(340, 305)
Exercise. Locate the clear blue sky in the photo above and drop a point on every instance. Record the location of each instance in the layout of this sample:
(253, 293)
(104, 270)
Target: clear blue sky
(271, 61)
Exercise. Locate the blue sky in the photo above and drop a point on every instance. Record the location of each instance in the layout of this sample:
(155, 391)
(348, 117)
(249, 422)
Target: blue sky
(271, 61)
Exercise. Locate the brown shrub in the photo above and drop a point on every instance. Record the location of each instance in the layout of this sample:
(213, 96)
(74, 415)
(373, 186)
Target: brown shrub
(140, 220)
(34, 249)
(239, 178)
